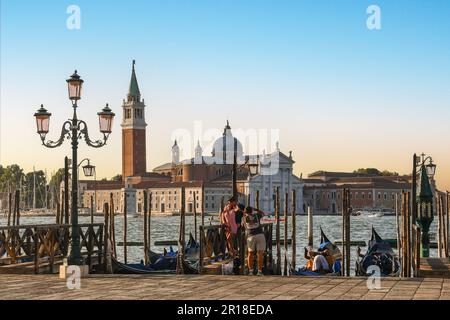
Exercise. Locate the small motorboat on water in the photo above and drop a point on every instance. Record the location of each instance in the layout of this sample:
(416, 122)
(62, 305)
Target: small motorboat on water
(375, 214)
(379, 253)
(325, 244)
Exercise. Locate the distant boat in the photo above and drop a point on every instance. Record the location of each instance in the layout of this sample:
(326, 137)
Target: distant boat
(133, 215)
(376, 214)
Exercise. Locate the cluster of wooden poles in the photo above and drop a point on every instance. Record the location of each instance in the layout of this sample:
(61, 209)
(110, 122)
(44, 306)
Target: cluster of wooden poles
(14, 211)
(443, 216)
(409, 233)
(408, 236)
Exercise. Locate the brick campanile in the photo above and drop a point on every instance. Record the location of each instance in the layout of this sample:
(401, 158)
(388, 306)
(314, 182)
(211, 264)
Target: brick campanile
(133, 131)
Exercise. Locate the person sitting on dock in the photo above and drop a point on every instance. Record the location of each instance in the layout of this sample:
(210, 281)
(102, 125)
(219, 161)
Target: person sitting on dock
(228, 220)
(256, 240)
(318, 261)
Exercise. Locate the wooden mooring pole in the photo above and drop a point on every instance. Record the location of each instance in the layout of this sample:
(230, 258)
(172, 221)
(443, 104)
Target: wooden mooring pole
(406, 236)
(15, 208)
(195, 215)
(439, 226)
(310, 227)
(294, 229)
(397, 225)
(58, 212)
(18, 208)
(409, 234)
(92, 209)
(202, 206)
(447, 222)
(9, 208)
(125, 210)
(442, 240)
(257, 200)
(344, 205)
(149, 229)
(444, 228)
(181, 236)
(277, 231)
(286, 209)
(346, 240)
(106, 234)
(63, 207)
(113, 224)
(66, 190)
(146, 257)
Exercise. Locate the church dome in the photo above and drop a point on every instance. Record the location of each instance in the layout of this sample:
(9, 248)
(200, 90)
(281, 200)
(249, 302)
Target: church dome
(223, 148)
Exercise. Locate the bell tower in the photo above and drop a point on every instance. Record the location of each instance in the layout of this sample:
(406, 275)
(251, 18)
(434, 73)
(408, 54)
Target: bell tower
(133, 131)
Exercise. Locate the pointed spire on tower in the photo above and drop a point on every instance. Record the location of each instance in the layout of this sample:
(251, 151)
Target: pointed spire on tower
(133, 92)
(175, 153)
(227, 127)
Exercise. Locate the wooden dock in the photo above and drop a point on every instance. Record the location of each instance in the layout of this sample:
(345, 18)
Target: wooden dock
(435, 267)
(212, 287)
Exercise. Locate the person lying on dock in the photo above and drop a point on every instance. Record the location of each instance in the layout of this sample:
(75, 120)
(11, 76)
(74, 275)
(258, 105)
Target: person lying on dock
(256, 240)
(228, 220)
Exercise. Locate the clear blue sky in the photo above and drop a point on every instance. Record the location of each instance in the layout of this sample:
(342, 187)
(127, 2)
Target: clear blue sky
(342, 96)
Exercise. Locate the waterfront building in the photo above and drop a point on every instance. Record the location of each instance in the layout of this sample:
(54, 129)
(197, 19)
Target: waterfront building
(323, 191)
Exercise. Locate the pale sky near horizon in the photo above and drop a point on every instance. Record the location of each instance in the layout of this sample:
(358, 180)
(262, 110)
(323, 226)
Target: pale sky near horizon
(342, 96)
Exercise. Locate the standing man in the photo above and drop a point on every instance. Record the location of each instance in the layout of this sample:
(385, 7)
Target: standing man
(255, 238)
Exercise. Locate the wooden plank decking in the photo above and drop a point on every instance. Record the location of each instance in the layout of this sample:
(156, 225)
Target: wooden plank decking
(435, 267)
(214, 287)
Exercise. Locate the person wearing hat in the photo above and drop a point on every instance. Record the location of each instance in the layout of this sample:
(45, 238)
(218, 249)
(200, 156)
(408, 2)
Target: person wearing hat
(256, 241)
(228, 219)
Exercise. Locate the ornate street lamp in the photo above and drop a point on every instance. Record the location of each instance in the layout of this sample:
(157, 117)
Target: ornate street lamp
(42, 121)
(88, 170)
(74, 129)
(253, 168)
(423, 199)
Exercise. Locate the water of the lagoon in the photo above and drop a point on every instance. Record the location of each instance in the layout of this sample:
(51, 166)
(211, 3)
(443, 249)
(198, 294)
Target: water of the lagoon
(166, 228)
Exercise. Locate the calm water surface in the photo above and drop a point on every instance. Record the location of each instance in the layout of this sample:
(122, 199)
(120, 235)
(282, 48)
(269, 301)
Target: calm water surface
(167, 228)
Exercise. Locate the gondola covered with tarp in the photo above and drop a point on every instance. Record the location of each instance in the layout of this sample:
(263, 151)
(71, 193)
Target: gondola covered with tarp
(165, 262)
(379, 256)
(333, 251)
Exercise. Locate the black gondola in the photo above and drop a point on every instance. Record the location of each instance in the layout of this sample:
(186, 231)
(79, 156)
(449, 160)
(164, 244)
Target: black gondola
(380, 254)
(140, 268)
(165, 262)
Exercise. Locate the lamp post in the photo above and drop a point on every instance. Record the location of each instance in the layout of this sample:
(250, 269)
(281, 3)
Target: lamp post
(74, 129)
(252, 166)
(88, 170)
(422, 203)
